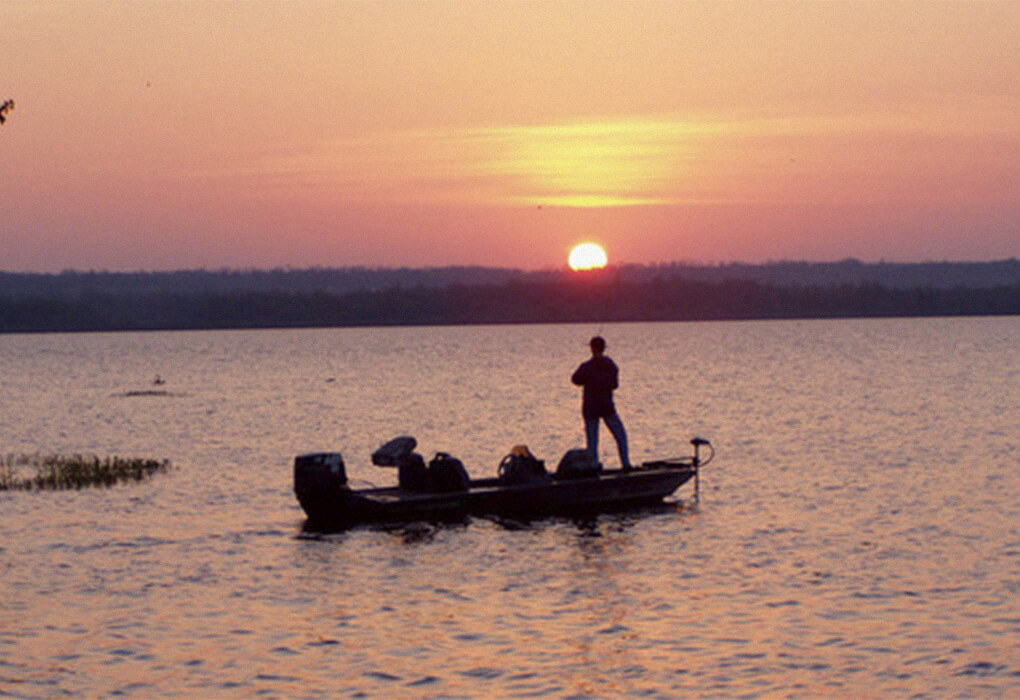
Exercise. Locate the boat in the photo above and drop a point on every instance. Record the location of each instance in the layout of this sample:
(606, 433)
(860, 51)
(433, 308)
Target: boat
(523, 488)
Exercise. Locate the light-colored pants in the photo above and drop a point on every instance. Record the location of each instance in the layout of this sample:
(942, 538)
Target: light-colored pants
(615, 425)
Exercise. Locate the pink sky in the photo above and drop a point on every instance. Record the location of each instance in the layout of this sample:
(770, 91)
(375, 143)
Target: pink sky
(240, 134)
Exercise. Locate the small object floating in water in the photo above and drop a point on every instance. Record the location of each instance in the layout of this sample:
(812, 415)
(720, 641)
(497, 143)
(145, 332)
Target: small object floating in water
(442, 490)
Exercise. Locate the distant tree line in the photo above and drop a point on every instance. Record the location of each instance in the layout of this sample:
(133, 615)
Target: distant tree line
(73, 283)
(591, 297)
(341, 281)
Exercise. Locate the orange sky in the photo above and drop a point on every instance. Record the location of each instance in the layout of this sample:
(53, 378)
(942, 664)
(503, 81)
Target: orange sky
(171, 135)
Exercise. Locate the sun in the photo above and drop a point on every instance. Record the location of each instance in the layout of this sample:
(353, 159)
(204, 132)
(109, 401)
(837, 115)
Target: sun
(587, 256)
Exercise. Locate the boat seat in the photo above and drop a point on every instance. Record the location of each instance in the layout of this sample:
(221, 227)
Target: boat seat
(577, 464)
(412, 474)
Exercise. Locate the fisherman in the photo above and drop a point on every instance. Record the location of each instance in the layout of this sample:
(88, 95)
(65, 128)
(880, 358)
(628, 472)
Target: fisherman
(600, 376)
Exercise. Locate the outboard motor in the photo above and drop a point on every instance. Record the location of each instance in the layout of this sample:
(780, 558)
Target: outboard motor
(319, 479)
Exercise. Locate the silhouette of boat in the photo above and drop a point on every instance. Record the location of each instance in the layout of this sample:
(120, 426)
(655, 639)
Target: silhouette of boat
(442, 491)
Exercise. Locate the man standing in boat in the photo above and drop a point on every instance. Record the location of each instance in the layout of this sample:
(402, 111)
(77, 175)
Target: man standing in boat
(600, 376)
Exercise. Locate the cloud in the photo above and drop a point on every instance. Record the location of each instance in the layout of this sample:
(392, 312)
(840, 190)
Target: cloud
(912, 153)
(623, 162)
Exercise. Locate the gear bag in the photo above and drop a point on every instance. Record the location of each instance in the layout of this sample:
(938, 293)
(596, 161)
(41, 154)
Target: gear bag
(522, 467)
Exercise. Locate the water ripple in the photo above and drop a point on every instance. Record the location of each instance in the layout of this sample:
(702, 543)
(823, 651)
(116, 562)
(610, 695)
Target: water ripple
(854, 537)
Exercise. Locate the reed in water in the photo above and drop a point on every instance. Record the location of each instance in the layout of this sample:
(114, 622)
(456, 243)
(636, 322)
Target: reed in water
(54, 472)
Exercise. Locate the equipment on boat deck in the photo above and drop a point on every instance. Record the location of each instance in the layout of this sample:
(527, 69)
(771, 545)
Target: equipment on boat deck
(442, 489)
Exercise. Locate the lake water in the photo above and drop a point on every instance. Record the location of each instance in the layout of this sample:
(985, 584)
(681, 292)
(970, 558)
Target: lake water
(858, 533)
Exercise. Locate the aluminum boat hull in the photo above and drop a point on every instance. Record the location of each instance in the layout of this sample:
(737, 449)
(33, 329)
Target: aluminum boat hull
(329, 503)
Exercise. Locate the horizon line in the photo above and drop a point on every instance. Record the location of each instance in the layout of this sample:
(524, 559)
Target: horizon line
(558, 269)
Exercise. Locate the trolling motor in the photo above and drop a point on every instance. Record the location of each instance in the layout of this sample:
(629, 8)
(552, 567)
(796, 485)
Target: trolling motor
(692, 463)
(696, 462)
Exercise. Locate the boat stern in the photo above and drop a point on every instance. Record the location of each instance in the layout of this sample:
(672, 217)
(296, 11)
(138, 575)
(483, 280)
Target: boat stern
(320, 482)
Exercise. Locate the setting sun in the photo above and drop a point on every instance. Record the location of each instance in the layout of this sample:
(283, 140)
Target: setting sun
(587, 256)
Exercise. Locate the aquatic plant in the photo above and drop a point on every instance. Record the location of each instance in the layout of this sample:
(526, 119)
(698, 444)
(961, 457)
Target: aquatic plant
(55, 472)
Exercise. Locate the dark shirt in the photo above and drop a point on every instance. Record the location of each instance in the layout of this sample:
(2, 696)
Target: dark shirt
(599, 376)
